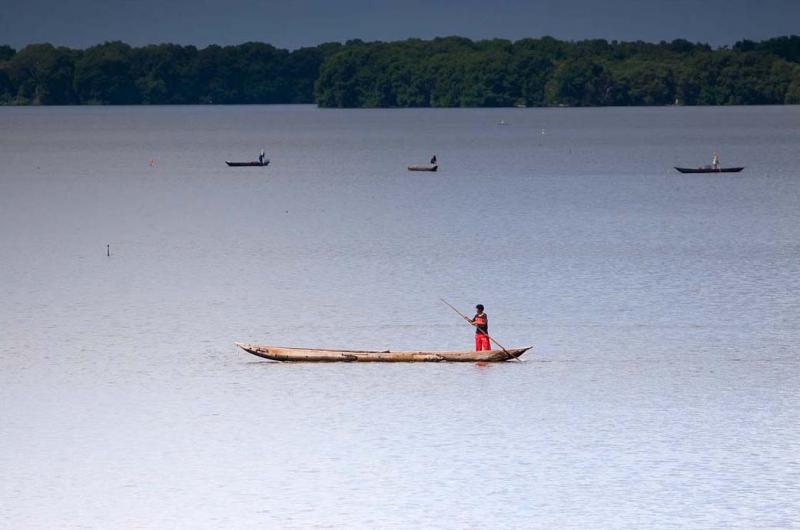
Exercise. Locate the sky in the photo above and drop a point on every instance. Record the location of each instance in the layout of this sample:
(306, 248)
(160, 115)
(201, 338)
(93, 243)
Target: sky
(82, 23)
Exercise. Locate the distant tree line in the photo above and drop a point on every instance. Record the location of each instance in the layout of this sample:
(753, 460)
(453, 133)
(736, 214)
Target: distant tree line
(117, 74)
(457, 72)
(443, 72)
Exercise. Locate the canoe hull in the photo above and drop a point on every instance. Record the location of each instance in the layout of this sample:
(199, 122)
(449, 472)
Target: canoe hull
(709, 170)
(248, 164)
(424, 168)
(277, 353)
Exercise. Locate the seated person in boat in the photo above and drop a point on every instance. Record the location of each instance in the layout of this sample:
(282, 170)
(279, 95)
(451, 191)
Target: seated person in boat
(481, 322)
(433, 160)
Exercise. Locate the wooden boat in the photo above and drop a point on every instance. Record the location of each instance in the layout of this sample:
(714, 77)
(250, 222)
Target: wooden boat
(255, 163)
(430, 167)
(277, 353)
(709, 169)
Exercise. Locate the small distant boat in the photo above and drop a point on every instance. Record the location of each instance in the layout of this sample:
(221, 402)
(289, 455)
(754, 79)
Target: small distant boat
(277, 353)
(255, 163)
(709, 169)
(429, 167)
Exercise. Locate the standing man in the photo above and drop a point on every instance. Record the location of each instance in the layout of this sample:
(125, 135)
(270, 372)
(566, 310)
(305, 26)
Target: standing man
(481, 322)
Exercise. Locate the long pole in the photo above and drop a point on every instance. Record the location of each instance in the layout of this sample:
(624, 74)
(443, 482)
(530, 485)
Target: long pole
(465, 317)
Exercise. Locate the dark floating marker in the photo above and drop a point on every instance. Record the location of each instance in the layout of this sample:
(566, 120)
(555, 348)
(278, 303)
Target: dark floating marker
(108, 250)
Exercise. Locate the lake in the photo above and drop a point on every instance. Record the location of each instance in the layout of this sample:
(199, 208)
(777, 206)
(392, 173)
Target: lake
(662, 390)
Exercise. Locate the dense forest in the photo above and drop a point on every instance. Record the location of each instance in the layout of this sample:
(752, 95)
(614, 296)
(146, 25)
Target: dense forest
(443, 72)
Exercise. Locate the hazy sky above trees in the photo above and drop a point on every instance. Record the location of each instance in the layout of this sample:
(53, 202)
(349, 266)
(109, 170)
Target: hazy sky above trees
(296, 23)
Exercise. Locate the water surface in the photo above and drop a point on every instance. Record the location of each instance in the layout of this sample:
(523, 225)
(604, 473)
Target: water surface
(661, 392)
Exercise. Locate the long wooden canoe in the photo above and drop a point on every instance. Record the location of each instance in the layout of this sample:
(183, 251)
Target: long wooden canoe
(248, 164)
(709, 169)
(432, 167)
(277, 353)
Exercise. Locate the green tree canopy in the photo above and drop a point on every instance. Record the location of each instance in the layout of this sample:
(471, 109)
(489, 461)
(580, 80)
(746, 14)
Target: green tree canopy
(442, 72)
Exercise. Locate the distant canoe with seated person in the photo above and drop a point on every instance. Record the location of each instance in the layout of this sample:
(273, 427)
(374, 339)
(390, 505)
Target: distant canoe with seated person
(278, 353)
(254, 163)
(427, 167)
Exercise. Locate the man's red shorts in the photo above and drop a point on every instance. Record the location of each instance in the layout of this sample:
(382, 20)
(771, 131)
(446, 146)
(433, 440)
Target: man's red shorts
(482, 342)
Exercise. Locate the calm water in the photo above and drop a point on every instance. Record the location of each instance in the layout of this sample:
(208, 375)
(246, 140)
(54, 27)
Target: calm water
(664, 309)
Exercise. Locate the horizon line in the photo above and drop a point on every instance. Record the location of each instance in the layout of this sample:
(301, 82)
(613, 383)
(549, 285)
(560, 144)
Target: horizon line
(378, 41)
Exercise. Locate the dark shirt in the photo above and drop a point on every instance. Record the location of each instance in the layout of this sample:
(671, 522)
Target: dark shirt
(481, 324)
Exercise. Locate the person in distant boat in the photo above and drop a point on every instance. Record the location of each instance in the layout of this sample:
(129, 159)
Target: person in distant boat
(481, 322)
(261, 157)
(433, 160)
(715, 160)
